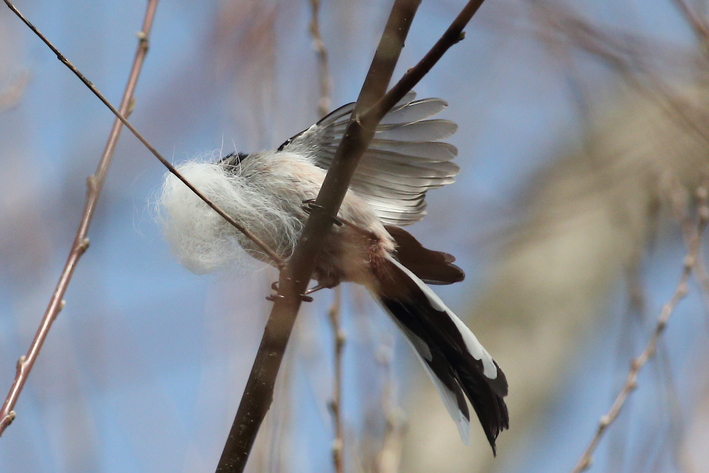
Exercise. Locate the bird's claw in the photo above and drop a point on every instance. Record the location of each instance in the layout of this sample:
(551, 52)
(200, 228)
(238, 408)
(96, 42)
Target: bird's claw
(303, 297)
(309, 205)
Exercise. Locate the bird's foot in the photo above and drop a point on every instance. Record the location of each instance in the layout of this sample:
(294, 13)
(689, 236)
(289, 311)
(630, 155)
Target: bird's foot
(309, 206)
(303, 297)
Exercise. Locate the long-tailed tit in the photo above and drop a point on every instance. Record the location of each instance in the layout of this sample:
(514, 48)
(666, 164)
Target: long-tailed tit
(266, 192)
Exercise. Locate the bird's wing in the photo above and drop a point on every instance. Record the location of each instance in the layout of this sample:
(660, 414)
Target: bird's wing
(404, 160)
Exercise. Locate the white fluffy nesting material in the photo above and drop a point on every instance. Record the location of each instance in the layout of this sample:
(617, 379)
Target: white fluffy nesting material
(200, 238)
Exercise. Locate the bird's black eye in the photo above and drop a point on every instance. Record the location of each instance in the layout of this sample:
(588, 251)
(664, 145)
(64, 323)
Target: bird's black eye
(285, 143)
(290, 140)
(233, 159)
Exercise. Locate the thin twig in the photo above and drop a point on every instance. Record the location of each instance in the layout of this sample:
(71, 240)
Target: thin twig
(268, 251)
(323, 64)
(338, 446)
(626, 59)
(690, 262)
(453, 35)
(699, 27)
(389, 457)
(679, 206)
(81, 242)
(293, 281)
(334, 312)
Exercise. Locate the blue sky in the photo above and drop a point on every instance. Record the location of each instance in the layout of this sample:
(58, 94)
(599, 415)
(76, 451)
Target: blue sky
(143, 369)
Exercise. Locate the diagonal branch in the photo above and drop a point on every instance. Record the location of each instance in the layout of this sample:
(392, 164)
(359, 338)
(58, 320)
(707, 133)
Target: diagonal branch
(690, 262)
(453, 35)
(81, 242)
(698, 25)
(258, 393)
(120, 116)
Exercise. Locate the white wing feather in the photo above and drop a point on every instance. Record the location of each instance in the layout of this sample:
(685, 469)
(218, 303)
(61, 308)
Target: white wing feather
(404, 160)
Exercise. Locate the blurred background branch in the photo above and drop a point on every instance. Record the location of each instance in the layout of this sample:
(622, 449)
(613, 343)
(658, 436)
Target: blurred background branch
(81, 241)
(582, 141)
(637, 364)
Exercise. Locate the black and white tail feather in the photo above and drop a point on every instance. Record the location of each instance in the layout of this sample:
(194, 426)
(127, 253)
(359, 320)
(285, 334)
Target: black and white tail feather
(264, 191)
(454, 359)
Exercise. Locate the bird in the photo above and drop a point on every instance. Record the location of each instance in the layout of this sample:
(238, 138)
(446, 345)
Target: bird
(271, 193)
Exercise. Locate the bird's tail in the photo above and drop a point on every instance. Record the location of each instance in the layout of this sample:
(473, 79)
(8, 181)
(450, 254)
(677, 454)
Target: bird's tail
(453, 357)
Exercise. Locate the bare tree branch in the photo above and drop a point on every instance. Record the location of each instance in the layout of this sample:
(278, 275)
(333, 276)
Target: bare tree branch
(323, 63)
(388, 459)
(690, 262)
(81, 242)
(268, 251)
(334, 312)
(258, 393)
(452, 36)
(338, 447)
(698, 24)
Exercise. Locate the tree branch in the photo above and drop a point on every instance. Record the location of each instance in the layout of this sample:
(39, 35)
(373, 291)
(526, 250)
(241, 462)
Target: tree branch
(323, 63)
(81, 242)
(339, 338)
(690, 262)
(120, 116)
(258, 393)
(453, 35)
